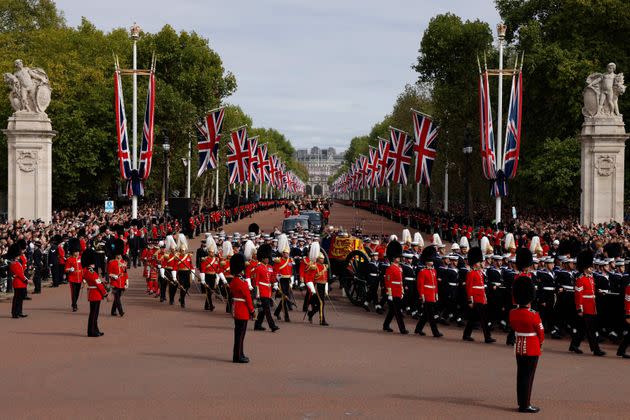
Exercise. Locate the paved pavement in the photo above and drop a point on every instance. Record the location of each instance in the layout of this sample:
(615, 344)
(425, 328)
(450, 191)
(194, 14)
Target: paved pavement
(162, 361)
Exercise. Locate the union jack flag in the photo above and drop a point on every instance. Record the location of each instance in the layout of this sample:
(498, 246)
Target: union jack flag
(253, 161)
(146, 150)
(208, 139)
(363, 170)
(383, 161)
(273, 168)
(373, 168)
(124, 158)
(425, 146)
(263, 163)
(488, 157)
(513, 132)
(238, 156)
(399, 156)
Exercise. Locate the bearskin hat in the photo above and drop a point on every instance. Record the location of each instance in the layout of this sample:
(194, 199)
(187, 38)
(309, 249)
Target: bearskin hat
(88, 257)
(254, 228)
(74, 245)
(523, 290)
(264, 251)
(119, 247)
(13, 251)
(475, 255)
(584, 260)
(394, 250)
(524, 258)
(428, 254)
(237, 264)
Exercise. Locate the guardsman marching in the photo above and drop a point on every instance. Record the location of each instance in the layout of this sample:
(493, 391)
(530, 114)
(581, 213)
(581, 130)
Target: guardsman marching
(394, 287)
(308, 275)
(117, 272)
(208, 272)
(428, 293)
(476, 295)
(249, 251)
(283, 269)
(243, 306)
(74, 271)
(20, 281)
(585, 306)
(266, 283)
(96, 291)
(530, 335)
(145, 256)
(226, 272)
(320, 280)
(185, 269)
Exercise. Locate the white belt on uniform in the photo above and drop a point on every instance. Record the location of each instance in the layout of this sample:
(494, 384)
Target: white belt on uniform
(429, 287)
(264, 284)
(567, 287)
(238, 300)
(373, 274)
(588, 296)
(396, 282)
(452, 284)
(410, 279)
(478, 287)
(518, 334)
(549, 288)
(92, 287)
(604, 291)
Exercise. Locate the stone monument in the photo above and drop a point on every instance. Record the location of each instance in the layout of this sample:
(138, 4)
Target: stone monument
(603, 148)
(29, 137)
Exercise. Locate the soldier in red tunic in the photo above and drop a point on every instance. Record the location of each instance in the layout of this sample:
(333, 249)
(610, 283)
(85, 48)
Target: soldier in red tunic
(74, 271)
(265, 281)
(209, 269)
(243, 307)
(394, 288)
(96, 291)
(428, 293)
(530, 335)
(117, 272)
(585, 305)
(318, 298)
(19, 280)
(476, 295)
(623, 346)
(283, 270)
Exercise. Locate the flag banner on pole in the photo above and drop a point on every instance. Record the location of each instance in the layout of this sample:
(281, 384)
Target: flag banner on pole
(425, 146)
(253, 175)
(238, 156)
(124, 155)
(373, 168)
(383, 153)
(363, 165)
(208, 139)
(263, 163)
(146, 150)
(399, 156)
(488, 158)
(513, 131)
(273, 168)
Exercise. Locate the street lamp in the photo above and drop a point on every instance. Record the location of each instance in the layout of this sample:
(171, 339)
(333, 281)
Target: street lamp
(167, 148)
(467, 152)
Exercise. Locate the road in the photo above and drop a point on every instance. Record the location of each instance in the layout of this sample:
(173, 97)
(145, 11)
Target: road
(161, 361)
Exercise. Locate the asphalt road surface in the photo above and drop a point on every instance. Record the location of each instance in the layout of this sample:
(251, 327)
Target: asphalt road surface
(161, 361)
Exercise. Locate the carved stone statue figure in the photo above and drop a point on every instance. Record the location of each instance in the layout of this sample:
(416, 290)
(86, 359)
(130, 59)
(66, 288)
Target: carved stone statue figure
(602, 92)
(30, 88)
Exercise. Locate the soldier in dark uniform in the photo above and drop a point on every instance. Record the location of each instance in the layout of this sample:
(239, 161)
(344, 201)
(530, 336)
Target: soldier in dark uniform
(565, 301)
(410, 299)
(605, 304)
(38, 267)
(508, 274)
(201, 253)
(547, 294)
(373, 273)
(462, 298)
(494, 280)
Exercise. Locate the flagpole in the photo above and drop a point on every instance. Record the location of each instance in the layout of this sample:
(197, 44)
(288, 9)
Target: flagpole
(216, 198)
(387, 193)
(418, 195)
(501, 28)
(188, 165)
(246, 190)
(399, 194)
(135, 34)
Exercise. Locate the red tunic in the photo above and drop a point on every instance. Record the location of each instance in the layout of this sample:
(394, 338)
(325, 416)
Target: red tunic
(76, 275)
(96, 290)
(585, 295)
(264, 280)
(475, 289)
(283, 267)
(393, 280)
(427, 285)
(320, 274)
(184, 262)
(306, 261)
(250, 270)
(61, 255)
(225, 268)
(210, 265)
(242, 300)
(19, 280)
(116, 270)
(529, 331)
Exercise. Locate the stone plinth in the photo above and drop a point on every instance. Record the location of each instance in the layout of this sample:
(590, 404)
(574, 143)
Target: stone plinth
(29, 136)
(602, 173)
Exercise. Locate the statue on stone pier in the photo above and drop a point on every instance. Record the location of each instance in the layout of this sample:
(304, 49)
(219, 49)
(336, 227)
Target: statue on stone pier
(30, 89)
(602, 92)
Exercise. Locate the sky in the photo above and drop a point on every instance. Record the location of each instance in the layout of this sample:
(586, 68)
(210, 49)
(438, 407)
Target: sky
(321, 72)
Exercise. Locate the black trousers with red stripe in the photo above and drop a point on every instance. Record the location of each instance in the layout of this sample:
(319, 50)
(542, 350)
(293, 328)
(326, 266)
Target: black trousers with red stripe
(525, 371)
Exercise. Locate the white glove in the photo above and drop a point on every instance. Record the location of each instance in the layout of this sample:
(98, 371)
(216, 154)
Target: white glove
(202, 276)
(302, 285)
(278, 277)
(390, 297)
(71, 270)
(127, 284)
(162, 272)
(326, 289)
(222, 277)
(311, 287)
(275, 286)
(249, 284)
(174, 274)
(193, 271)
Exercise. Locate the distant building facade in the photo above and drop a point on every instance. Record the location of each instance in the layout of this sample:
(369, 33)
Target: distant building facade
(321, 164)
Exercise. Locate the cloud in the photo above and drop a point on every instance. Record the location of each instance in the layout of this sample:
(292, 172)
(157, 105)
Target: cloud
(320, 72)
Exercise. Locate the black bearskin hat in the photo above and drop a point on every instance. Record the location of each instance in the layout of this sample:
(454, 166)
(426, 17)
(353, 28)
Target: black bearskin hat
(394, 250)
(264, 251)
(523, 290)
(88, 257)
(22, 244)
(584, 260)
(119, 247)
(428, 254)
(474, 255)
(254, 228)
(237, 264)
(57, 239)
(74, 245)
(13, 252)
(524, 258)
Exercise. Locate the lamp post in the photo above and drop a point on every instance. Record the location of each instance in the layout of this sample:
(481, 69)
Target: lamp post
(135, 35)
(467, 152)
(167, 148)
(501, 29)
